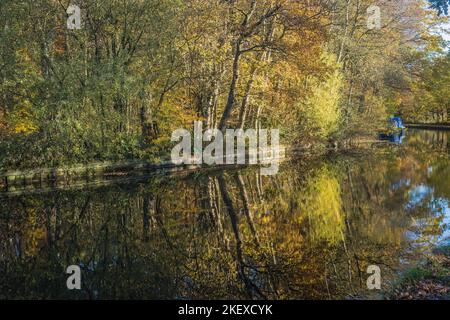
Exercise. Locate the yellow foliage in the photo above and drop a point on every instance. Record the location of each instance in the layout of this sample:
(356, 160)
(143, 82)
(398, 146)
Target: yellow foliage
(34, 234)
(322, 207)
(21, 119)
(322, 107)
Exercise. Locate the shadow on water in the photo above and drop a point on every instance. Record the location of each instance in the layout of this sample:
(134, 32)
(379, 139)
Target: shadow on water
(308, 232)
(396, 137)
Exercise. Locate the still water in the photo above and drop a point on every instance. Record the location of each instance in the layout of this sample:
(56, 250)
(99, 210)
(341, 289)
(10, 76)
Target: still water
(309, 232)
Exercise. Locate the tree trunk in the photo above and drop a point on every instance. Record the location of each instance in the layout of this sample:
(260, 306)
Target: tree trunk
(245, 100)
(232, 91)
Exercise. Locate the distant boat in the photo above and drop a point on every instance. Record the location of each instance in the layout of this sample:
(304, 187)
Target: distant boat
(397, 122)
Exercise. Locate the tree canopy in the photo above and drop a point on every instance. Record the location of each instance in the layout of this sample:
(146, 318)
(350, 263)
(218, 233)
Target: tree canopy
(137, 70)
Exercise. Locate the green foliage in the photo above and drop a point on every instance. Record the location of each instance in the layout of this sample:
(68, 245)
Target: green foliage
(416, 274)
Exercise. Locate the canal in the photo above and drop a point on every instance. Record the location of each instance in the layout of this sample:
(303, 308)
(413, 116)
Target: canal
(309, 232)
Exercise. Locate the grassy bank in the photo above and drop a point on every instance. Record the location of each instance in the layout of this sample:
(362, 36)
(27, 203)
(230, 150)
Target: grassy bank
(429, 280)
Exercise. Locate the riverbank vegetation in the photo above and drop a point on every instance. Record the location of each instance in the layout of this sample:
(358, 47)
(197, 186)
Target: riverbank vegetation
(430, 280)
(137, 70)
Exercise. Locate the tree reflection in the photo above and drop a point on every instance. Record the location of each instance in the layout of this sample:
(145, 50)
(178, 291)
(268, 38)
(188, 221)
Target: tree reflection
(308, 232)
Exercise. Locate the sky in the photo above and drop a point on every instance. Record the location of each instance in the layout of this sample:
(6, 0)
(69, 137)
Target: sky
(446, 34)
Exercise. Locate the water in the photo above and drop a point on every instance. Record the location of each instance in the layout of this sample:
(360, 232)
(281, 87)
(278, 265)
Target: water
(309, 232)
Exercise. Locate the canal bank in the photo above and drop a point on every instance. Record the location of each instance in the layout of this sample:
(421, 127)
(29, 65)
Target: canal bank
(428, 280)
(429, 126)
(12, 181)
(108, 172)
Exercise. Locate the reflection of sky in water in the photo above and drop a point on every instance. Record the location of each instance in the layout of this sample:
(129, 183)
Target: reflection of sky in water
(417, 195)
(401, 183)
(444, 206)
(423, 195)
